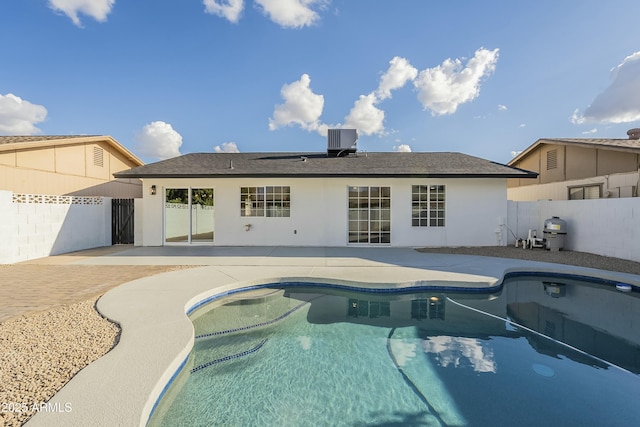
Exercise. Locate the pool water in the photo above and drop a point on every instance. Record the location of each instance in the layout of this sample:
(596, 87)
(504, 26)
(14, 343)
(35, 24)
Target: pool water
(300, 356)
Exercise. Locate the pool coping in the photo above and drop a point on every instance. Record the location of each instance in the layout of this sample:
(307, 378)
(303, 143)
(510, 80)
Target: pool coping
(122, 387)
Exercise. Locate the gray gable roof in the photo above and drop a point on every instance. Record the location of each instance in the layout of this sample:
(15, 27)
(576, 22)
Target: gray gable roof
(31, 138)
(28, 142)
(630, 144)
(229, 165)
(614, 144)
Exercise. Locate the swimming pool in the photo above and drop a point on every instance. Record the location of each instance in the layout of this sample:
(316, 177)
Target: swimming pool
(541, 350)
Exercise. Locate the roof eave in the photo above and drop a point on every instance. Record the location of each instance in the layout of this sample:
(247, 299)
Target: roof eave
(334, 175)
(74, 141)
(525, 152)
(561, 141)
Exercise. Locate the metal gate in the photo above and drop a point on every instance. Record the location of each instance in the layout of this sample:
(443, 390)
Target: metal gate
(121, 221)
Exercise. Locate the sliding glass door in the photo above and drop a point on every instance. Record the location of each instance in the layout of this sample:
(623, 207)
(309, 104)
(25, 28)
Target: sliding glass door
(202, 214)
(188, 215)
(176, 215)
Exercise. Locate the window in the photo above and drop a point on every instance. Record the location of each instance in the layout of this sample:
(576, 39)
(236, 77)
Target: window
(265, 201)
(278, 202)
(584, 192)
(252, 201)
(427, 205)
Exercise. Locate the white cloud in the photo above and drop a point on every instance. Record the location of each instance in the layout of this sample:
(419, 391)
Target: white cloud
(515, 153)
(577, 118)
(286, 13)
(402, 148)
(399, 73)
(227, 147)
(292, 13)
(158, 139)
(323, 129)
(590, 131)
(365, 116)
(301, 106)
(18, 117)
(228, 9)
(619, 102)
(502, 107)
(97, 9)
(443, 88)
(522, 125)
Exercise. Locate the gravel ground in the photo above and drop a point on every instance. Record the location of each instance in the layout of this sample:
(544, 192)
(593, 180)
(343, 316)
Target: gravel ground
(41, 352)
(581, 259)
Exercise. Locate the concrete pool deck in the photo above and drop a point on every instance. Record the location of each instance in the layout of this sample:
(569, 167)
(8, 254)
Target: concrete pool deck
(121, 387)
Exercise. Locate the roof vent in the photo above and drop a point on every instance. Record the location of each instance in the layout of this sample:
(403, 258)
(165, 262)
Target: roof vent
(341, 142)
(634, 133)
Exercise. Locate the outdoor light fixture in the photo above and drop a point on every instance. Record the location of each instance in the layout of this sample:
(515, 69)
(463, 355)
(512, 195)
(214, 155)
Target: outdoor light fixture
(152, 191)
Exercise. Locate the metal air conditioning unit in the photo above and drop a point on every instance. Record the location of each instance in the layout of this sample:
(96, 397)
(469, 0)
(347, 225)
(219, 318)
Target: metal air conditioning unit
(341, 142)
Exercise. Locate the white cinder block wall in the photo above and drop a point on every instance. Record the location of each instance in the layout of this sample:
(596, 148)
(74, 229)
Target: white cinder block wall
(35, 230)
(609, 227)
(8, 228)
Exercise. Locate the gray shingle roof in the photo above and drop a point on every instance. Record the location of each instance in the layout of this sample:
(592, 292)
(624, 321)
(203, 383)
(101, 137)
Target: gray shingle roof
(11, 143)
(228, 165)
(36, 138)
(628, 145)
(632, 144)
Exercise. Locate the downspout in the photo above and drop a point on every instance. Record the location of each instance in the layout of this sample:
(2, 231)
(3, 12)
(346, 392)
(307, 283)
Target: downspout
(564, 162)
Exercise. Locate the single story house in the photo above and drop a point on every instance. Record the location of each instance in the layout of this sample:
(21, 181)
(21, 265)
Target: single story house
(67, 165)
(578, 168)
(323, 199)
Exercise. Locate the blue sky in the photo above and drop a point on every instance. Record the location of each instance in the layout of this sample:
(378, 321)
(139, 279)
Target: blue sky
(164, 78)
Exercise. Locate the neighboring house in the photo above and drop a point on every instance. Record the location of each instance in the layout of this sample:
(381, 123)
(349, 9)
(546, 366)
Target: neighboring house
(578, 168)
(323, 199)
(67, 165)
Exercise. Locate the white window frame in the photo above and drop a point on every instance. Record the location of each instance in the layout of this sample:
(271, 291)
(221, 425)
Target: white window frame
(271, 201)
(428, 205)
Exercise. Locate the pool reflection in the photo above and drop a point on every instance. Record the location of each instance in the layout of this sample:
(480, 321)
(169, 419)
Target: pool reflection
(595, 319)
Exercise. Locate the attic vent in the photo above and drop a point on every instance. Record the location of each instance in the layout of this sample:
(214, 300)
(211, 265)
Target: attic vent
(341, 142)
(552, 159)
(98, 156)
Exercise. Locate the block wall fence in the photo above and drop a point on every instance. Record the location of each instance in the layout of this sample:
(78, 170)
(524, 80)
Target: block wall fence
(609, 227)
(35, 226)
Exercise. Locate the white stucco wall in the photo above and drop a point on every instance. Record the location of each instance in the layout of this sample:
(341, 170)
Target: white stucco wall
(474, 210)
(138, 218)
